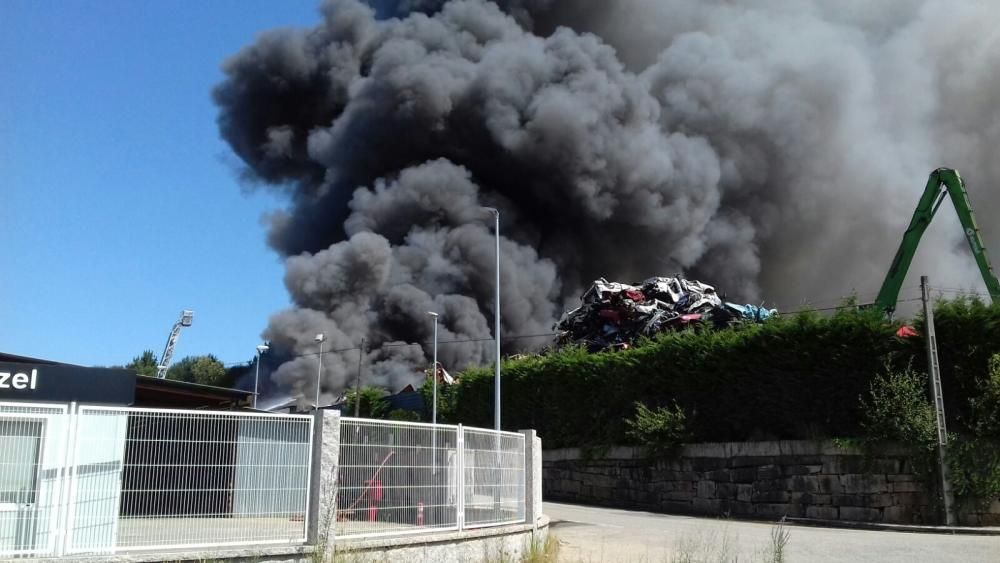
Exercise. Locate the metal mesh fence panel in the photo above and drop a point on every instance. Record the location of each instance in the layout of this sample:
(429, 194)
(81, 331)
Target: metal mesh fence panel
(494, 477)
(156, 478)
(33, 442)
(396, 478)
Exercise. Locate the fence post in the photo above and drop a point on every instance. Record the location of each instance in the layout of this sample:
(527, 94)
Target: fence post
(323, 478)
(531, 479)
(65, 503)
(460, 477)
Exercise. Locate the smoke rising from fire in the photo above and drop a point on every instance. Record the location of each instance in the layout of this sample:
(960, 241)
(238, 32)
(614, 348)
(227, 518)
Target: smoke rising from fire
(773, 148)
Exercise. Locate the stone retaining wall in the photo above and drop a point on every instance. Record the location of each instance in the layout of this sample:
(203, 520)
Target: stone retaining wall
(755, 479)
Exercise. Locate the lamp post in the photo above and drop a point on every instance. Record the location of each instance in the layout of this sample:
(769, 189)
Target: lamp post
(496, 330)
(434, 400)
(319, 372)
(434, 367)
(261, 348)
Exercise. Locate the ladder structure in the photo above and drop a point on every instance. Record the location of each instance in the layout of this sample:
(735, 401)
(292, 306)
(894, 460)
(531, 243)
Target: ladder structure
(934, 370)
(175, 333)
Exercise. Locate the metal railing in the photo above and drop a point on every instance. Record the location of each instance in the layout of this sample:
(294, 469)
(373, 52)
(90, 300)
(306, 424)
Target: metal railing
(103, 480)
(118, 479)
(409, 478)
(494, 478)
(188, 479)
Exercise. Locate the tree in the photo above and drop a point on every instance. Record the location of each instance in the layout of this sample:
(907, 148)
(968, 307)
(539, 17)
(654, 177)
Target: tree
(144, 364)
(373, 403)
(206, 370)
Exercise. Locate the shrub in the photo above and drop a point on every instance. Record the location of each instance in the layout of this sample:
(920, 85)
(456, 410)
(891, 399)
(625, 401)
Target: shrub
(661, 431)
(373, 403)
(974, 457)
(985, 408)
(974, 469)
(793, 377)
(897, 410)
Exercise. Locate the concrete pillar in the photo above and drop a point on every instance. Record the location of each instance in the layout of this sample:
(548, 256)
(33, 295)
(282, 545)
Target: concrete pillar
(532, 477)
(323, 483)
(536, 458)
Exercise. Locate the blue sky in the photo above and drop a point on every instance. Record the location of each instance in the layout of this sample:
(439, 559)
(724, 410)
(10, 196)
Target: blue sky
(119, 202)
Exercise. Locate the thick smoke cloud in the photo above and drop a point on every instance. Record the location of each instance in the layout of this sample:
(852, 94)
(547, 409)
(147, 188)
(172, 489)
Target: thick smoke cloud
(773, 148)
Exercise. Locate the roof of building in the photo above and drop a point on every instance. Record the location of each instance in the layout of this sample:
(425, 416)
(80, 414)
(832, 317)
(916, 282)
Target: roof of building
(155, 392)
(5, 357)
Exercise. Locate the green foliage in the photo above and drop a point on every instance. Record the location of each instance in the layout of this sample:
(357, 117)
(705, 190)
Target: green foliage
(373, 403)
(967, 339)
(897, 410)
(204, 370)
(144, 364)
(985, 408)
(403, 415)
(447, 397)
(974, 457)
(974, 468)
(779, 541)
(793, 377)
(661, 431)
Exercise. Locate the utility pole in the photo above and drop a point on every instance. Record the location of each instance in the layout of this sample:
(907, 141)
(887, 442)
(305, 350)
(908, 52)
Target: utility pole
(496, 330)
(319, 368)
(934, 370)
(434, 400)
(357, 383)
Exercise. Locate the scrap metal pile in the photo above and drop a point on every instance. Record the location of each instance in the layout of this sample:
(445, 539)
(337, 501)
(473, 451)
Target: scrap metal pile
(616, 315)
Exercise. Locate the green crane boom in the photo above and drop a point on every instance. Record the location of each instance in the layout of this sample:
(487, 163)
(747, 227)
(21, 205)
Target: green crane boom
(942, 182)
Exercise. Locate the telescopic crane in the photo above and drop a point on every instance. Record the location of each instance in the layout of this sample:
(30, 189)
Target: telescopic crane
(175, 333)
(943, 182)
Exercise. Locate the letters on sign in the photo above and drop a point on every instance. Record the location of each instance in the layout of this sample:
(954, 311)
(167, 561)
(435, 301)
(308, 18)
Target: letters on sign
(19, 380)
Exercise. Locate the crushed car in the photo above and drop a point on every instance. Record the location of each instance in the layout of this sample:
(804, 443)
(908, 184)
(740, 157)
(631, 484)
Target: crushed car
(616, 315)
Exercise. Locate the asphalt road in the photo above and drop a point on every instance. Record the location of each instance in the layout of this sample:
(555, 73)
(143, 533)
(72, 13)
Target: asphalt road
(598, 535)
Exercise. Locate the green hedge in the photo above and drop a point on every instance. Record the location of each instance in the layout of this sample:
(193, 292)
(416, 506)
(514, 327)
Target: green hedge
(791, 378)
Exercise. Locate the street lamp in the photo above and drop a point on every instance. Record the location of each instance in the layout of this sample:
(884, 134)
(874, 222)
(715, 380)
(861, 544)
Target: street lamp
(261, 348)
(496, 330)
(434, 401)
(319, 373)
(434, 407)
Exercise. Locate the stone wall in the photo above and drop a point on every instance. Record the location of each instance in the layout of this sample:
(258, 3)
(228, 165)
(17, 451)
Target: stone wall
(755, 479)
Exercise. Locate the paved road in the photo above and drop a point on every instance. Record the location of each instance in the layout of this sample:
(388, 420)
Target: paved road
(604, 535)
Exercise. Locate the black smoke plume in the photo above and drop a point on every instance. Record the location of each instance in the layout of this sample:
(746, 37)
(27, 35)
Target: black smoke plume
(773, 148)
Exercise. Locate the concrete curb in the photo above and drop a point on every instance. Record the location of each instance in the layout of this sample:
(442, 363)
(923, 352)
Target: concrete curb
(289, 553)
(905, 528)
(397, 541)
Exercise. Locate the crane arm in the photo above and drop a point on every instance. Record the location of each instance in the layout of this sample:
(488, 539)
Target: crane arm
(942, 182)
(168, 351)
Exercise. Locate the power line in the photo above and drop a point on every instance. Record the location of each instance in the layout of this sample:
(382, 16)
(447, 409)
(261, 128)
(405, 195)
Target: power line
(553, 334)
(961, 291)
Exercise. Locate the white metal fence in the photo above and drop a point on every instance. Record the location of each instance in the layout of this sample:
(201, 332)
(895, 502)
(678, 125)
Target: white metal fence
(494, 477)
(101, 480)
(33, 448)
(119, 479)
(406, 478)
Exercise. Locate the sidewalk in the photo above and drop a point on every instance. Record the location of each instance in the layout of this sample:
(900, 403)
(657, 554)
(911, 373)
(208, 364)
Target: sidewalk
(590, 534)
(910, 528)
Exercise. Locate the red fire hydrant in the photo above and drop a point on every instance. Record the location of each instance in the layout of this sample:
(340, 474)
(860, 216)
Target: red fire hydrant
(374, 497)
